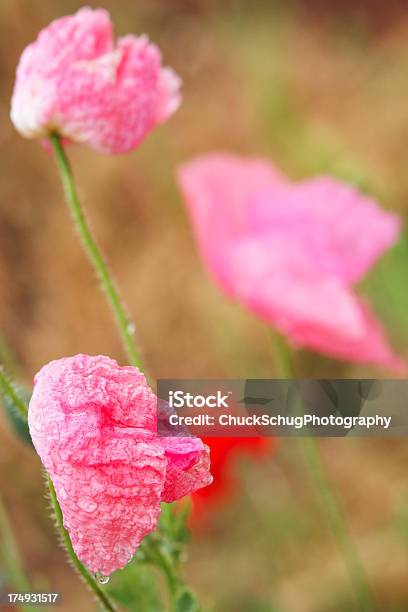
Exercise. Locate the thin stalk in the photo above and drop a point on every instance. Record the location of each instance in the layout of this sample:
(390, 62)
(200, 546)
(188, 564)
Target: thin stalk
(325, 490)
(165, 563)
(11, 556)
(7, 389)
(124, 323)
(162, 560)
(100, 595)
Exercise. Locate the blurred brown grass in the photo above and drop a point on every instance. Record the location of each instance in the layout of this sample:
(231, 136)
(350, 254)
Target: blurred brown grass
(316, 88)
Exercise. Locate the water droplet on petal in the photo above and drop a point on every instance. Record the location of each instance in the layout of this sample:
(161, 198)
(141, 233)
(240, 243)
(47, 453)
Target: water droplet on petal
(101, 578)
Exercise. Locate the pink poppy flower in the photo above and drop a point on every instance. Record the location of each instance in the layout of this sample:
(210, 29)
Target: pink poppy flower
(76, 81)
(291, 252)
(94, 425)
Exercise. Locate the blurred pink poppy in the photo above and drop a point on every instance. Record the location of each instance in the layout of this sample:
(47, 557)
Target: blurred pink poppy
(291, 252)
(75, 81)
(94, 425)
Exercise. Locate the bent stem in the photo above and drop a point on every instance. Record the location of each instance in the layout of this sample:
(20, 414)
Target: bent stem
(124, 323)
(324, 488)
(100, 595)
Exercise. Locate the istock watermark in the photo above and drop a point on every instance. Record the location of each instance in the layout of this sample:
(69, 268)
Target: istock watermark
(180, 399)
(270, 407)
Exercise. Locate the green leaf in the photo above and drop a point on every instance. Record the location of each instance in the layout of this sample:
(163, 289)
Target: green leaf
(19, 425)
(186, 601)
(386, 288)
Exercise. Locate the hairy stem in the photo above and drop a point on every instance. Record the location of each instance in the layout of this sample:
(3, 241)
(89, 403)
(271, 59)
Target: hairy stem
(124, 323)
(325, 490)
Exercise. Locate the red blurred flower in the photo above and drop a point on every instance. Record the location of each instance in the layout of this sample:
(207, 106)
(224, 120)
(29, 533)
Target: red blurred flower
(224, 453)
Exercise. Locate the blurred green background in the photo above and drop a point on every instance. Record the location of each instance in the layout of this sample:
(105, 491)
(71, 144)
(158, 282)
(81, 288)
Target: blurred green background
(317, 87)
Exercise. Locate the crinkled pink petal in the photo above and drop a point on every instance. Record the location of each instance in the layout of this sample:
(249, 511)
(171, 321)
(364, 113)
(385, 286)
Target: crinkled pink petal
(94, 424)
(188, 464)
(290, 252)
(74, 80)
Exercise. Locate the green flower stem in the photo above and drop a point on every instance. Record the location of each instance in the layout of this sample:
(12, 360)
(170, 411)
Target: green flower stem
(126, 329)
(162, 559)
(325, 490)
(180, 597)
(100, 595)
(7, 389)
(125, 325)
(11, 557)
(162, 550)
